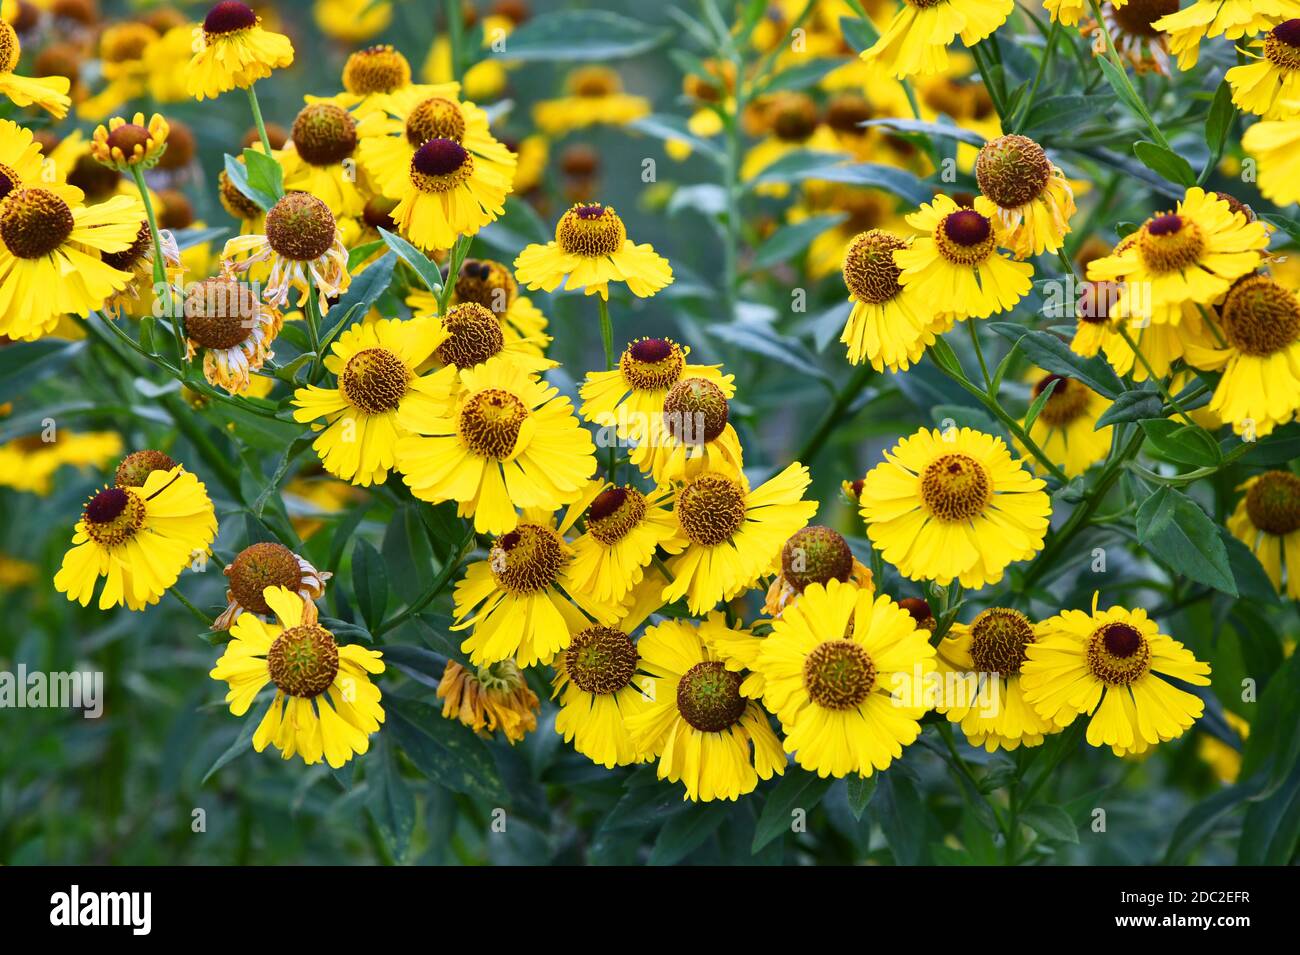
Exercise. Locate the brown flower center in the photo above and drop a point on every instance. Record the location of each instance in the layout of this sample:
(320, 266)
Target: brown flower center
(528, 559)
(614, 513)
(1260, 316)
(1012, 170)
(794, 117)
(486, 283)
(234, 201)
(490, 422)
(1118, 654)
(34, 222)
(601, 660)
(220, 312)
(590, 230)
(839, 674)
(1273, 503)
(965, 237)
(695, 411)
(869, 269)
(999, 636)
(300, 227)
(440, 165)
(710, 509)
(10, 49)
(134, 253)
(473, 335)
(323, 134)
(652, 364)
(1170, 243)
(377, 69)
(259, 566)
(303, 661)
(815, 555)
(955, 487)
(136, 467)
(228, 16)
(375, 380)
(1068, 401)
(113, 516)
(435, 118)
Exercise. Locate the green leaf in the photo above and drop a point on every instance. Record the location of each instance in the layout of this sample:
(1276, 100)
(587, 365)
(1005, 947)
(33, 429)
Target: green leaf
(424, 268)
(1051, 822)
(443, 750)
(369, 582)
(790, 240)
(798, 789)
(1051, 354)
(860, 790)
(1132, 406)
(424, 666)
(763, 340)
(1120, 84)
(360, 297)
(673, 128)
(861, 34)
(1288, 225)
(264, 173)
(898, 182)
(389, 800)
(903, 817)
(1272, 750)
(798, 165)
(804, 75)
(1039, 403)
(1182, 443)
(1055, 114)
(407, 553)
(1202, 820)
(1178, 533)
(685, 832)
(237, 172)
(22, 364)
(1252, 581)
(942, 130)
(1165, 162)
(571, 35)
(1270, 832)
(243, 743)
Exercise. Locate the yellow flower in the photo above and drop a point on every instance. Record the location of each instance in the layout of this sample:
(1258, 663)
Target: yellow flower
(596, 681)
(1269, 86)
(123, 145)
(29, 463)
(624, 527)
(1267, 520)
(324, 703)
(1192, 254)
(1232, 19)
(122, 49)
(22, 164)
(690, 436)
(1025, 194)
(793, 123)
(1276, 147)
(233, 51)
(137, 298)
(842, 670)
(706, 735)
(1260, 359)
(889, 325)
(263, 565)
(590, 250)
(375, 368)
(319, 158)
(523, 601)
(918, 36)
(507, 441)
(629, 396)
(166, 64)
(978, 676)
(1223, 757)
(1110, 667)
(369, 75)
(954, 505)
(593, 96)
(489, 283)
(352, 21)
(235, 330)
(49, 264)
(1064, 428)
(50, 93)
(138, 539)
(729, 535)
(956, 264)
(303, 248)
(491, 698)
(814, 555)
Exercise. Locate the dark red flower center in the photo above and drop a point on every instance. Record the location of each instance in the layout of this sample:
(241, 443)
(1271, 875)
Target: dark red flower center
(229, 16)
(439, 157)
(967, 227)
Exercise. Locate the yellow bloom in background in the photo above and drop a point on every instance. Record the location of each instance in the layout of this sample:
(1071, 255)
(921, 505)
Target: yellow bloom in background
(596, 683)
(302, 247)
(1065, 428)
(50, 93)
(1231, 19)
(888, 326)
(123, 145)
(814, 555)
(1276, 147)
(842, 670)
(1267, 520)
(954, 505)
(523, 602)
(352, 21)
(1109, 667)
(1260, 359)
(590, 250)
(705, 734)
(122, 49)
(29, 463)
(166, 64)
(917, 38)
(1223, 757)
(375, 369)
(509, 440)
(369, 75)
(262, 565)
(23, 164)
(1270, 86)
(690, 436)
(16, 574)
(593, 96)
(793, 124)
(728, 535)
(492, 697)
(490, 284)
(1192, 254)
(139, 539)
(483, 80)
(980, 665)
(624, 527)
(626, 398)
(1025, 194)
(49, 264)
(1068, 12)
(319, 158)
(233, 51)
(956, 266)
(324, 705)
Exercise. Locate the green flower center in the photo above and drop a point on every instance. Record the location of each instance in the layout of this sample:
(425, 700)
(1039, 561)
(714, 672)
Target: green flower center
(708, 697)
(304, 661)
(839, 674)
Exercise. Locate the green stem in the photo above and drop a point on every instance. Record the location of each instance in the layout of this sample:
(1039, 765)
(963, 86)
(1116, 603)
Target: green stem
(1151, 373)
(257, 118)
(959, 764)
(843, 399)
(160, 264)
(455, 38)
(1023, 112)
(1113, 56)
(607, 340)
(175, 592)
(979, 354)
(437, 587)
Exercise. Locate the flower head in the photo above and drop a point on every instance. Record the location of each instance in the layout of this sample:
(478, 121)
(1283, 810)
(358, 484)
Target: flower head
(50, 93)
(303, 246)
(1267, 520)
(124, 145)
(233, 51)
(492, 697)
